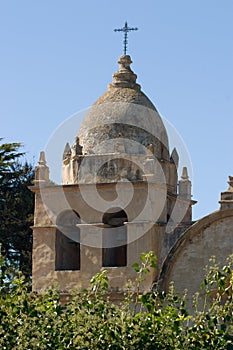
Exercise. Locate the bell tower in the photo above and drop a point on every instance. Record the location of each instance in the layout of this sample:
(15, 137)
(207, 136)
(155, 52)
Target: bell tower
(118, 195)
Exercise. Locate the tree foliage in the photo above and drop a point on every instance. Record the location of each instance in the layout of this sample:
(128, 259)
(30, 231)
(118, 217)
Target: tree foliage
(16, 207)
(90, 321)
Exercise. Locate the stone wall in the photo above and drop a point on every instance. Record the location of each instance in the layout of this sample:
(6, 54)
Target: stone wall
(210, 236)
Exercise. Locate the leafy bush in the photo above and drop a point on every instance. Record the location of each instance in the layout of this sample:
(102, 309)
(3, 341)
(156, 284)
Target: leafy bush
(142, 321)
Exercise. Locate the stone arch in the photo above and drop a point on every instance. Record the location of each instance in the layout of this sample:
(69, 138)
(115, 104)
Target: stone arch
(67, 242)
(186, 261)
(68, 217)
(114, 251)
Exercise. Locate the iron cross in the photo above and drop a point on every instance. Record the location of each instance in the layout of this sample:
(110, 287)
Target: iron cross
(125, 30)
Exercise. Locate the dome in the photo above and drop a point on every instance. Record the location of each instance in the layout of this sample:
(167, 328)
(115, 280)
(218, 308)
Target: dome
(123, 113)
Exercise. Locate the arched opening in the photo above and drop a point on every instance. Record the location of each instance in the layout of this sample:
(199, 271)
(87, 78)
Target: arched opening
(114, 252)
(67, 243)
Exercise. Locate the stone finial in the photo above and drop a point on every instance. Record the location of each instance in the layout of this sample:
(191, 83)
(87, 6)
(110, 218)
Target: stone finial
(175, 158)
(226, 201)
(77, 149)
(230, 182)
(67, 151)
(125, 77)
(42, 160)
(185, 184)
(41, 170)
(184, 175)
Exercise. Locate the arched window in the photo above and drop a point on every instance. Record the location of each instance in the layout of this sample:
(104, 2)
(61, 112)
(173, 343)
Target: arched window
(67, 245)
(114, 252)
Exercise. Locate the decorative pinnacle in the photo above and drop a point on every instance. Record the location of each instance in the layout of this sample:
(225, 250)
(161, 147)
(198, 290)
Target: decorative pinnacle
(42, 160)
(184, 175)
(41, 171)
(230, 182)
(125, 77)
(125, 30)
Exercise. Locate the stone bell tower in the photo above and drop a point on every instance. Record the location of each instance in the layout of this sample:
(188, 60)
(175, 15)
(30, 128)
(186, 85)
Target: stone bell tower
(119, 194)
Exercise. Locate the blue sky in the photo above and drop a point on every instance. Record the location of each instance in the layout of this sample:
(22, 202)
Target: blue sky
(57, 57)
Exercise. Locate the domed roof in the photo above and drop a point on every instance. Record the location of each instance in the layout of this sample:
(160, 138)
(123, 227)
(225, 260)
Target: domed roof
(123, 112)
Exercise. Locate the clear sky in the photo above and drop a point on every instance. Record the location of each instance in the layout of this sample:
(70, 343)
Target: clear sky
(57, 57)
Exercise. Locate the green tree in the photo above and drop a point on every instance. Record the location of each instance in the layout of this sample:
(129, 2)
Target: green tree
(90, 321)
(16, 207)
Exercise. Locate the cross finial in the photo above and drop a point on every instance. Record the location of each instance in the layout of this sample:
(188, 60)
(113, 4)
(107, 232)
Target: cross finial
(125, 30)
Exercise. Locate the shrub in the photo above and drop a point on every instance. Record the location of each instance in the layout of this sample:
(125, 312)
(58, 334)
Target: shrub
(89, 320)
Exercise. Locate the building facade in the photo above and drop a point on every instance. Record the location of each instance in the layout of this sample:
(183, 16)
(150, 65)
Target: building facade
(120, 196)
